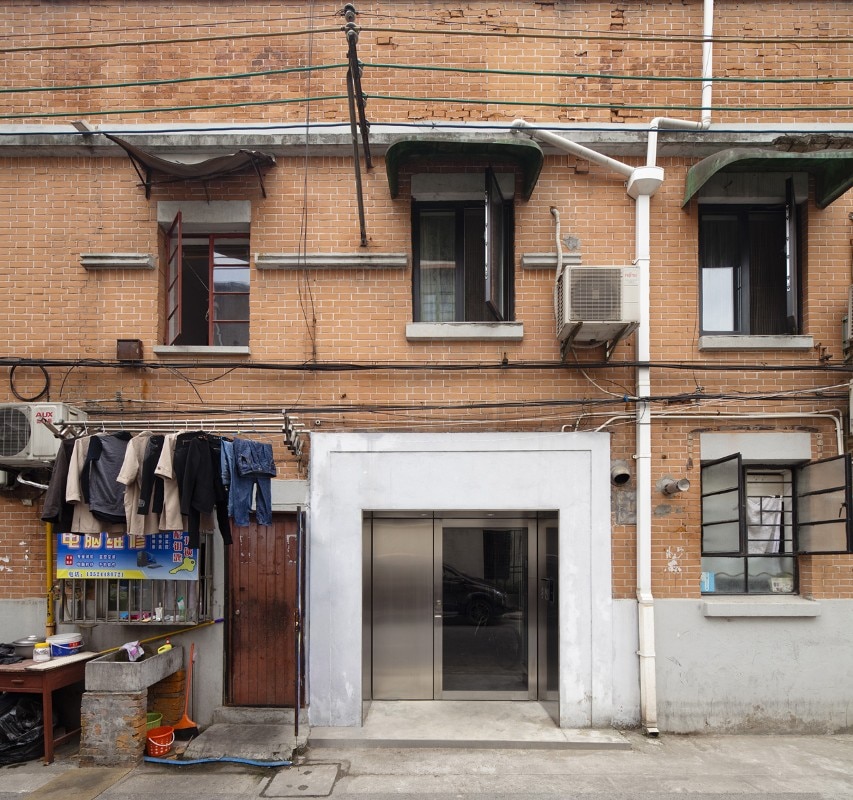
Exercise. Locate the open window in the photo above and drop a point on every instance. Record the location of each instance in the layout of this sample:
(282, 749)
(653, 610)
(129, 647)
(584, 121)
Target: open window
(757, 519)
(207, 287)
(463, 251)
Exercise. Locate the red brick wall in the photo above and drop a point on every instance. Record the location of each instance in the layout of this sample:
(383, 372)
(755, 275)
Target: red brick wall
(54, 209)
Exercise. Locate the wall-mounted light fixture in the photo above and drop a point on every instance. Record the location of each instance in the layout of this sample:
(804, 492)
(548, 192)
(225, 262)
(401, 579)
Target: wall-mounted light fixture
(670, 486)
(619, 473)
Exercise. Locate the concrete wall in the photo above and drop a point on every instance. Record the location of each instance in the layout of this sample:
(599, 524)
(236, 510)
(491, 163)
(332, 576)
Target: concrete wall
(569, 473)
(748, 674)
(20, 618)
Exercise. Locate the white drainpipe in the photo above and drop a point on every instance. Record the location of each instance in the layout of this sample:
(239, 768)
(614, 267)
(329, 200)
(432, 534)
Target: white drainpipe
(643, 182)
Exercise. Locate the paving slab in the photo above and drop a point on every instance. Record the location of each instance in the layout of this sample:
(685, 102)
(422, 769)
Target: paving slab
(202, 781)
(464, 724)
(81, 784)
(307, 781)
(258, 742)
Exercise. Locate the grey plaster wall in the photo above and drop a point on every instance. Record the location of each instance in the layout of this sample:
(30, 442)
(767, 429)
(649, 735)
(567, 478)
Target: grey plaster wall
(754, 674)
(626, 665)
(20, 618)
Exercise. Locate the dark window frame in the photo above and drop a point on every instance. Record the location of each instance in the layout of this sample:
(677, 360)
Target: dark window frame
(746, 319)
(819, 519)
(498, 238)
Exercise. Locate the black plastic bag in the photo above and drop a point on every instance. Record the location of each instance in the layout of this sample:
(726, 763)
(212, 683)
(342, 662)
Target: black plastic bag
(21, 727)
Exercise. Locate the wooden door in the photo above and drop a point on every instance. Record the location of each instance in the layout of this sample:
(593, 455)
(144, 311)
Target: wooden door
(263, 569)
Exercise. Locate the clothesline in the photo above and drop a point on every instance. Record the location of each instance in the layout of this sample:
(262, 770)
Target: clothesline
(234, 426)
(148, 482)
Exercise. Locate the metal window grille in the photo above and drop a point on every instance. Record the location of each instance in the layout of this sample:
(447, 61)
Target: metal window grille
(133, 601)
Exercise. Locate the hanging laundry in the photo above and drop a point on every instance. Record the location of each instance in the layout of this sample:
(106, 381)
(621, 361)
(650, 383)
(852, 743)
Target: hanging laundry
(83, 520)
(131, 475)
(249, 467)
(104, 461)
(196, 468)
(56, 508)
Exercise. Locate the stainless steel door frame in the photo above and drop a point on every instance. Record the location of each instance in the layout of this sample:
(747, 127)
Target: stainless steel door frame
(528, 523)
(403, 630)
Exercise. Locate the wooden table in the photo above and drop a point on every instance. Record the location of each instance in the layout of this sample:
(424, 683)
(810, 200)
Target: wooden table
(43, 677)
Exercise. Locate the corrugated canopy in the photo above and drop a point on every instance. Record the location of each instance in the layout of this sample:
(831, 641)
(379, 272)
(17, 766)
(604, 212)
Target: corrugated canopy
(832, 169)
(147, 165)
(522, 153)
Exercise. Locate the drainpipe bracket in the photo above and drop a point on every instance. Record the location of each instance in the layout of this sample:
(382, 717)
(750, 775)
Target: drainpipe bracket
(644, 181)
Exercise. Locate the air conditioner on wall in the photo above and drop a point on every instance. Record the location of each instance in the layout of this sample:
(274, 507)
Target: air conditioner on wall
(24, 441)
(597, 304)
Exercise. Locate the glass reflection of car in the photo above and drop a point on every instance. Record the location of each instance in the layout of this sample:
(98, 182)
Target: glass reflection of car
(471, 599)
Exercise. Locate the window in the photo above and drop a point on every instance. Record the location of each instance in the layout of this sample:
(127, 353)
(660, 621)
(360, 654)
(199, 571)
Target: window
(463, 257)
(748, 255)
(207, 288)
(757, 519)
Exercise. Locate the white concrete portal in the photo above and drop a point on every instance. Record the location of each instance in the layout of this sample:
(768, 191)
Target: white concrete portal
(563, 472)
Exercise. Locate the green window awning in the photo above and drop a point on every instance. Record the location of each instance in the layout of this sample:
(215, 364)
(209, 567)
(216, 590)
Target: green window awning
(524, 154)
(832, 169)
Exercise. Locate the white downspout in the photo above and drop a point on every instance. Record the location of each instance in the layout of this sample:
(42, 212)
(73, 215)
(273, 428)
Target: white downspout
(645, 599)
(643, 182)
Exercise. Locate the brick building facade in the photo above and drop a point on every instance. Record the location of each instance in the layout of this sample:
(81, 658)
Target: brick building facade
(418, 402)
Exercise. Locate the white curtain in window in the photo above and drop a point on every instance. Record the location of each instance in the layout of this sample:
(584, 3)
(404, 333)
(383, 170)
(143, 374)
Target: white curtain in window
(764, 524)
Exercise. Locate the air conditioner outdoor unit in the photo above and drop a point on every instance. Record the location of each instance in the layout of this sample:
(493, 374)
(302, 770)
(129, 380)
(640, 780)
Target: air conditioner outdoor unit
(24, 441)
(597, 304)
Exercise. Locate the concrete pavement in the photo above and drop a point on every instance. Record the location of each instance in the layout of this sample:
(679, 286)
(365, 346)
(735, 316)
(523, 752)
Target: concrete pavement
(702, 767)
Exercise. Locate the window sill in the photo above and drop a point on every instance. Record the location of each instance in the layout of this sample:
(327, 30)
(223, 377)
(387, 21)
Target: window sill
(198, 350)
(734, 342)
(760, 606)
(465, 331)
(90, 261)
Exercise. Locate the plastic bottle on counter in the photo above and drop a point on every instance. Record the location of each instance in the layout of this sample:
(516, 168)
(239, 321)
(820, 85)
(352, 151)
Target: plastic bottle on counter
(41, 651)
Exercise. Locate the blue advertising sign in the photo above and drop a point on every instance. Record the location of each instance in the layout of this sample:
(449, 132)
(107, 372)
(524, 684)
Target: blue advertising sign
(161, 556)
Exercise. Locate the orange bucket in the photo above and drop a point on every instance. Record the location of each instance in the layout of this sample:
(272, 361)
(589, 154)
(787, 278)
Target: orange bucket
(160, 740)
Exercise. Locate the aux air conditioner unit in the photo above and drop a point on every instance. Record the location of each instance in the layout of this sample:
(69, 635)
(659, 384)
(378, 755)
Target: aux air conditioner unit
(24, 441)
(597, 304)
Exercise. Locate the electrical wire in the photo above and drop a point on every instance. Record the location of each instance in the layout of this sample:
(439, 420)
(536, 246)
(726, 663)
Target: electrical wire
(164, 109)
(599, 76)
(232, 76)
(457, 30)
(432, 366)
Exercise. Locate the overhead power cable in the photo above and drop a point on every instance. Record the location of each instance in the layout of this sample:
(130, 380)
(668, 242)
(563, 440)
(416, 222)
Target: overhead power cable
(431, 366)
(163, 109)
(167, 81)
(611, 106)
(455, 30)
(604, 76)
(598, 76)
(225, 37)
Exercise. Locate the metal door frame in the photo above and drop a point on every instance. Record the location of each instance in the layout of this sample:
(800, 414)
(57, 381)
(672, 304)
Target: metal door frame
(530, 520)
(519, 520)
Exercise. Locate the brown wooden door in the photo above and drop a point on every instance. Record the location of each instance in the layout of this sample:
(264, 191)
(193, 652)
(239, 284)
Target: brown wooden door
(262, 595)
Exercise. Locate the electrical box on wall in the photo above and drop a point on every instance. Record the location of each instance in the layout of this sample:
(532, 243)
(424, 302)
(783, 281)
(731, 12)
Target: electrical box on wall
(24, 441)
